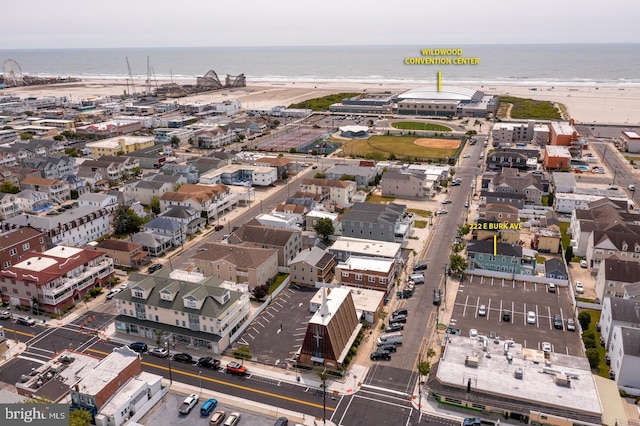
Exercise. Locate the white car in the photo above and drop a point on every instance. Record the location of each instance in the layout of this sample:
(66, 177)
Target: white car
(233, 419)
(482, 311)
(441, 211)
(583, 263)
(466, 156)
(112, 293)
(546, 347)
(531, 317)
(189, 403)
(473, 333)
(579, 287)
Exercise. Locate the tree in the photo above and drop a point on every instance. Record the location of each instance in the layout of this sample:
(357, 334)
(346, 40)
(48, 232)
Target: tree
(58, 138)
(26, 136)
(260, 291)
(584, 318)
(593, 357)
(324, 227)
(276, 123)
(126, 221)
(550, 199)
(175, 141)
(80, 417)
(319, 175)
(464, 230)
(589, 339)
(71, 152)
(424, 368)
(568, 254)
(241, 137)
(242, 352)
(155, 204)
(458, 264)
(29, 113)
(7, 187)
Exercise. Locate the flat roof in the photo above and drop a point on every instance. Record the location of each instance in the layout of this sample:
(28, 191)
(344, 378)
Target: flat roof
(496, 375)
(369, 247)
(558, 151)
(363, 299)
(358, 263)
(128, 391)
(563, 128)
(108, 369)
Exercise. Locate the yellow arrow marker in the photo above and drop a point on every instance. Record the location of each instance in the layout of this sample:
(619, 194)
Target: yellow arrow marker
(439, 81)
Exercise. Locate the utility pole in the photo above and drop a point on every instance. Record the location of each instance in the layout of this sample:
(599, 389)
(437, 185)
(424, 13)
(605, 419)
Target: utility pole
(169, 359)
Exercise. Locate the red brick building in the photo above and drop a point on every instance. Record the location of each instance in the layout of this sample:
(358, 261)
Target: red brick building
(369, 273)
(16, 243)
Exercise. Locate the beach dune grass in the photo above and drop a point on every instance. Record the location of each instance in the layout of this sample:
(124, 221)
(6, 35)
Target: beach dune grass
(323, 103)
(522, 108)
(401, 147)
(416, 125)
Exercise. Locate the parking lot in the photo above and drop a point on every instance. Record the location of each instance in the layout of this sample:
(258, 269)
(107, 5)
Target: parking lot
(519, 298)
(276, 334)
(166, 412)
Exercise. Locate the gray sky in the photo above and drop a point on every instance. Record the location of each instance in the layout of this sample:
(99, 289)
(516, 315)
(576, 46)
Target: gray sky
(162, 23)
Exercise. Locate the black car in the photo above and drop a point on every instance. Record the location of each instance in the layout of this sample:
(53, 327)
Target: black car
(506, 315)
(454, 330)
(388, 348)
(557, 322)
(420, 267)
(139, 347)
(282, 421)
(218, 228)
(392, 328)
(437, 299)
(385, 355)
(153, 268)
(401, 311)
(186, 358)
(209, 362)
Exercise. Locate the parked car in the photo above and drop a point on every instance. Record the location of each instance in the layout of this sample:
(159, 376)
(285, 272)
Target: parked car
(189, 403)
(153, 268)
(436, 297)
(482, 311)
(388, 348)
(217, 418)
(454, 330)
(233, 419)
(398, 319)
(139, 347)
(218, 228)
(552, 288)
(159, 352)
(472, 421)
(25, 320)
(531, 317)
(208, 406)
(391, 328)
(583, 263)
(506, 315)
(401, 311)
(579, 287)
(237, 369)
(571, 324)
(281, 421)
(209, 362)
(447, 201)
(557, 322)
(420, 266)
(5, 314)
(112, 293)
(546, 347)
(380, 355)
(441, 212)
(185, 358)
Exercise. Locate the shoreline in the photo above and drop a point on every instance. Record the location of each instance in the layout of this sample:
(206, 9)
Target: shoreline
(585, 104)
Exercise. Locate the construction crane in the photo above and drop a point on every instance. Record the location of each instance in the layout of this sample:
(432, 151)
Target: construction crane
(133, 89)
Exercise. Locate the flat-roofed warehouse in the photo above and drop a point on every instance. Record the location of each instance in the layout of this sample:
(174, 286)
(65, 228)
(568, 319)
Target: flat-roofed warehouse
(451, 101)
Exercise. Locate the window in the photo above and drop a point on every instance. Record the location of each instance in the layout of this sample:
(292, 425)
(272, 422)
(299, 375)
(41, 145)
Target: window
(13, 252)
(372, 279)
(358, 277)
(26, 246)
(345, 274)
(383, 280)
(137, 294)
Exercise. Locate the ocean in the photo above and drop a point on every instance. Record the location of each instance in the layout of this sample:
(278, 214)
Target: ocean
(530, 65)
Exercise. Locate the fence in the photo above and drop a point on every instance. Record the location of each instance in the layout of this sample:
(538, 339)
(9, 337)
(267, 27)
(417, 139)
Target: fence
(514, 277)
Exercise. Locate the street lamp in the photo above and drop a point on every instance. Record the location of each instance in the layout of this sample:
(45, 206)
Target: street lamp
(169, 358)
(200, 380)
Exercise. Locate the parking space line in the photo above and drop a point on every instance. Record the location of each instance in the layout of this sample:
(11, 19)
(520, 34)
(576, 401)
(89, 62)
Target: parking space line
(524, 320)
(272, 316)
(514, 284)
(277, 303)
(550, 322)
(254, 329)
(261, 325)
(432, 319)
(299, 334)
(265, 319)
(249, 334)
(464, 310)
(500, 320)
(488, 309)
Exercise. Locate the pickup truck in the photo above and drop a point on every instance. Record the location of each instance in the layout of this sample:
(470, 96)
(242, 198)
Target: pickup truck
(188, 404)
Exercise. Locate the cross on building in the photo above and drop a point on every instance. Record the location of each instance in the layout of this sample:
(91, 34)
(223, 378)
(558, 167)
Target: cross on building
(317, 336)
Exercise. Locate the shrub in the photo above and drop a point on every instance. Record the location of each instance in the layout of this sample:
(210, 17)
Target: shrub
(593, 357)
(584, 318)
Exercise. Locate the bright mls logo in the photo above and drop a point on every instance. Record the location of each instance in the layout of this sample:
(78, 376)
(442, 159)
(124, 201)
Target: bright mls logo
(34, 414)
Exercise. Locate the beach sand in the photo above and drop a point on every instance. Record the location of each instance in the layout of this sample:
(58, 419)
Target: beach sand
(605, 105)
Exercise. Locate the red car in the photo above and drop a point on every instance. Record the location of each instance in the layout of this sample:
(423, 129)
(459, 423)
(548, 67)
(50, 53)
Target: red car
(237, 369)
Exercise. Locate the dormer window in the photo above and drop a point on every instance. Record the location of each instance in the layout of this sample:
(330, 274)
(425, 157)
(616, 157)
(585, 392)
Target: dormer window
(625, 247)
(637, 250)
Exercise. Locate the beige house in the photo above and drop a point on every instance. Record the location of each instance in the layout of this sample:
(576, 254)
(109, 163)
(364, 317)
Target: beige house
(201, 314)
(395, 183)
(339, 192)
(120, 144)
(210, 201)
(123, 253)
(312, 266)
(240, 263)
(58, 190)
(288, 242)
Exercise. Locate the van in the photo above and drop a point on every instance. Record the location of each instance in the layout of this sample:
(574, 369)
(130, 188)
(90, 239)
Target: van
(208, 406)
(417, 278)
(391, 338)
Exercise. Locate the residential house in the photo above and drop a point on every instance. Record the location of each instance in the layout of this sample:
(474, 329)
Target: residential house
(53, 167)
(10, 206)
(55, 278)
(625, 361)
(130, 165)
(240, 175)
(14, 244)
(512, 181)
(345, 247)
(516, 158)
(382, 222)
(547, 240)
(397, 183)
(31, 201)
(119, 145)
(197, 312)
(288, 242)
(92, 179)
(188, 217)
(556, 157)
(311, 219)
(23, 150)
(75, 227)
(617, 313)
(338, 192)
(555, 268)
(360, 174)
(491, 197)
(215, 138)
(500, 257)
(209, 201)
(365, 272)
(276, 220)
(616, 241)
(152, 243)
(123, 253)
(57, 190)
(188, 171)
(174, 230)
(106, 201)
(281, 164)
(240, 263)
(145, 190)
(614, 275)
(296, 212)
(113, 172)
(312, 266)
(76, 184)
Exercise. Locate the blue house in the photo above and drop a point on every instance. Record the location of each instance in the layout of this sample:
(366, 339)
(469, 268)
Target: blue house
(502, 257)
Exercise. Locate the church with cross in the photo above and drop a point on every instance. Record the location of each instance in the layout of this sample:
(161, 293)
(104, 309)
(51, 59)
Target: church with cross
(331, 331)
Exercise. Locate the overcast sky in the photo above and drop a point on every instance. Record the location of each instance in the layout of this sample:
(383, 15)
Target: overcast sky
(195, 23)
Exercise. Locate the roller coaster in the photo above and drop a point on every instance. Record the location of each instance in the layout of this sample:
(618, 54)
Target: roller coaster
(210, 81)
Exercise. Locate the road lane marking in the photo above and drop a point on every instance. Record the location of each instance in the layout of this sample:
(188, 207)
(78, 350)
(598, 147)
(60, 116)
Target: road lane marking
(222, 382)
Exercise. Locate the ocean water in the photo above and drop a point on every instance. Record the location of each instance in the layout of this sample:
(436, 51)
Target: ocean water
(531, 65)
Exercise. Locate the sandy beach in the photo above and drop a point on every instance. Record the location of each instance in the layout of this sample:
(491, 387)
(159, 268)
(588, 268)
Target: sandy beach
(605, 105)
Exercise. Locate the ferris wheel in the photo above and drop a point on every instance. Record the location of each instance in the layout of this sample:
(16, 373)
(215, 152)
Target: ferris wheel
(12, 73)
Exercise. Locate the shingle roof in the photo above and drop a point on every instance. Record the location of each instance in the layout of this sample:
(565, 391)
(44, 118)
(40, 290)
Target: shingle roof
(625, 310)
(266, 235)
(621, 270)
(630, 341)
(241, 255)
(118, 245)
(502, 249)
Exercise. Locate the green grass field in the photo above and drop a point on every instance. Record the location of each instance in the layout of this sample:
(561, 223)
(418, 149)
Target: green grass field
(530, 109)
(402, 147)
(323, 103)
(415, 125)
